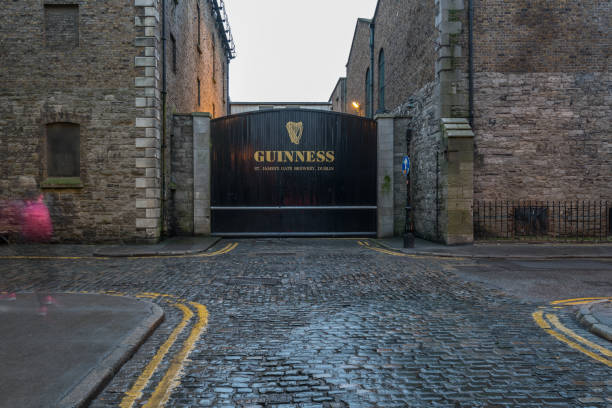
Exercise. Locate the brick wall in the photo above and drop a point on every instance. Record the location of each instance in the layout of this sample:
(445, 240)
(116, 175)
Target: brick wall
(91, 84)
(99, 66)
(356, 67)
(409, 51)
(338, 97)
(204, 60)
(542, 100)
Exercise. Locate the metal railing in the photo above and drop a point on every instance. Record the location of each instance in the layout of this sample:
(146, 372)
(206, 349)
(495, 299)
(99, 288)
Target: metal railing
(543, 220)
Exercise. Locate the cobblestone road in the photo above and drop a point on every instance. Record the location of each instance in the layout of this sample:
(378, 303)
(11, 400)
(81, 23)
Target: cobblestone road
(329, 323)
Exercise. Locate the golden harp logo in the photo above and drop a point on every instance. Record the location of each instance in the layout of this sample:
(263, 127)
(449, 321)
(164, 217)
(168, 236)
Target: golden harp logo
(295, 130)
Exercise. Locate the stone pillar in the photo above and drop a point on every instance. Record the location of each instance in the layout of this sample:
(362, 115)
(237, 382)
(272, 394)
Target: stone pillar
(201, 173)
(384, 178)
(457, 173)
(401, 146)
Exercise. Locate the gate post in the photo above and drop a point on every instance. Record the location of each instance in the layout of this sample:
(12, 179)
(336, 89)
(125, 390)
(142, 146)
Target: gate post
(201, 173)
(384, 176)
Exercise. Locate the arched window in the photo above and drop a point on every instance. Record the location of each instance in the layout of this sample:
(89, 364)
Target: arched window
(381, 81)
(368, 97)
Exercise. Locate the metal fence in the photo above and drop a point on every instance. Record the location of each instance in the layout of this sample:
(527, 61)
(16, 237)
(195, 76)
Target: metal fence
(543, 220)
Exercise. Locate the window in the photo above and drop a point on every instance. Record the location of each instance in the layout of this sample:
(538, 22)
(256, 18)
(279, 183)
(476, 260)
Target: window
(199, 99)
(199, 23)
(63, 150)
(368, 94)
(61, 26)
(173, 51)
(214, 60)
(381, 81)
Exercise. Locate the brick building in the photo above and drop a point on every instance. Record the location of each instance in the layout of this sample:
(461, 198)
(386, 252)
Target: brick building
(531, 79)
(86, 97)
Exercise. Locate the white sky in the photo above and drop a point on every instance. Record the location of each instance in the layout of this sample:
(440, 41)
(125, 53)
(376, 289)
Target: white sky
(291, 50)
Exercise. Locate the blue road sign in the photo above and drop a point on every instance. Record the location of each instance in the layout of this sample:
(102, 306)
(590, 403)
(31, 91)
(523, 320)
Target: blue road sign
(406, 165)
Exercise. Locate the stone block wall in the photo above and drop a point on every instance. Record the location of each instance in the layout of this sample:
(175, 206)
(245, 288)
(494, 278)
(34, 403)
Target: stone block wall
(401, 144)
(543, 136)
(88, 79)
(181, 188)
(425, 146)
(542, 104)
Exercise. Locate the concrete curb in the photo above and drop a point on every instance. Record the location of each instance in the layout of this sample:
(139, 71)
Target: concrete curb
(137, 252)
(476, 256)
(104, 371)
(590, 322)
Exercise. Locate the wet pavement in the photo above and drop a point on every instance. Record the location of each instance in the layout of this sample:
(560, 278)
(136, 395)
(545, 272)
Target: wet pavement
(331, 323)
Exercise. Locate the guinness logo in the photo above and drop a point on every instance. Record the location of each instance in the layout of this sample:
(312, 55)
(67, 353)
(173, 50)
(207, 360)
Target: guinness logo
(295, 130)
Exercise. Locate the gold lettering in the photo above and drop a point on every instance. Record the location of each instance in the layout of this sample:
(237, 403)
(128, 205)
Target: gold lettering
(320, 156)
(300, 156)
(270, 156)
(289, 156)
(259, 156)
(330, 156)
(310, 156)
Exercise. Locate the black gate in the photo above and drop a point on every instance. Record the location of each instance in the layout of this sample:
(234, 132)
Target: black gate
(293, 172)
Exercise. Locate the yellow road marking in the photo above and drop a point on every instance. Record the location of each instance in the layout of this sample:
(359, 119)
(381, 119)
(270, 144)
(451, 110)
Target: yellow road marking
(170, 381)
(136, 391)
(538, 317)
(555, 321)
(557, 302)
(228, 248)
(367, 245)
(578, 347)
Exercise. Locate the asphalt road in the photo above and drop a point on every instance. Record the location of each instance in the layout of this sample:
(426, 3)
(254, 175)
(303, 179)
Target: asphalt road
(331, 323)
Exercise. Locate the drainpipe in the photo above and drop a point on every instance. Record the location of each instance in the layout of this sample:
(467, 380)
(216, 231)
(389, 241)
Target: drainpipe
(163, 118)
(471, 60)
(371, 84)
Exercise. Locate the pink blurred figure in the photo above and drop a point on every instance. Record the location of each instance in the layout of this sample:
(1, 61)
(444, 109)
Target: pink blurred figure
(36, 221)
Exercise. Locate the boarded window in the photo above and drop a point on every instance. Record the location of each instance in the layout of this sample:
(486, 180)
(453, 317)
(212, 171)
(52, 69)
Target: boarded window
(61, 26)
(63, 150)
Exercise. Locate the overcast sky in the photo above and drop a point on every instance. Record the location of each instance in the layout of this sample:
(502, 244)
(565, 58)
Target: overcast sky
(291, 50)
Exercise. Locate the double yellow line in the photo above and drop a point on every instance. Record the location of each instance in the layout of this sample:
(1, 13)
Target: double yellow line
(171, 378)
(366, 244)
(228, 248)
(550, 323)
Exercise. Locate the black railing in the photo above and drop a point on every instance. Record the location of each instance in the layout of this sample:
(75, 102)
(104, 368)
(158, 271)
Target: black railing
(543, 220)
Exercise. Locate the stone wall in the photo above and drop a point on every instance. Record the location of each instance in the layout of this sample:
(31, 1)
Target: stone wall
(356, 67)
(425, 140)
(90, 83)
(543, 136)
(542, 103)
(181, 186)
